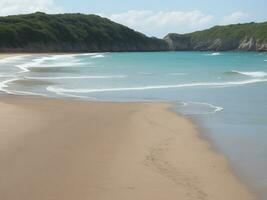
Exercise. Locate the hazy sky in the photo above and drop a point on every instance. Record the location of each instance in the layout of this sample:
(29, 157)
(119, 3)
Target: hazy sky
(152, 17)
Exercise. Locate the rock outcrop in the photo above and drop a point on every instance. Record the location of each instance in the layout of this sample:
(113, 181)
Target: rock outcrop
(177, 42)
(242, 37)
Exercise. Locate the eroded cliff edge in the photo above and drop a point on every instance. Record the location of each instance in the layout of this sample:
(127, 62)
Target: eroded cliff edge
(242, 37)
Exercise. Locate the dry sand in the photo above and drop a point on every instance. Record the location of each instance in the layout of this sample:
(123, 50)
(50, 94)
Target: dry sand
(7, 55)
(3, 56)
(71, 150)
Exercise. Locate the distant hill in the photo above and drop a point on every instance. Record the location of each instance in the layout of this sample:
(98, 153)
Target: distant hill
(40, 32)
(246, 37)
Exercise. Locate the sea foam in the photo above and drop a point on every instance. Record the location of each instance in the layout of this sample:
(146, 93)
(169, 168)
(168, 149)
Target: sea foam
(213, 109)
(254, 74)
(98, 56)
(214, 54)
(154, 87)
(4, 88)
(40, 63)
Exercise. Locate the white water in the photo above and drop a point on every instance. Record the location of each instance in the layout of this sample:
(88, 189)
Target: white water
(153, 87)
(256, 74)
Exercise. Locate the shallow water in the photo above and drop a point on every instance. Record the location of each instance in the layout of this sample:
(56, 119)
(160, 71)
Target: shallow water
(225, 92)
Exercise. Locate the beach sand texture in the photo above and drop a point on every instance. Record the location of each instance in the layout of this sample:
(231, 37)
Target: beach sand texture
(55, 149)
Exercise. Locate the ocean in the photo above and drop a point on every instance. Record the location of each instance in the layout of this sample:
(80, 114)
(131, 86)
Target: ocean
(225, 93)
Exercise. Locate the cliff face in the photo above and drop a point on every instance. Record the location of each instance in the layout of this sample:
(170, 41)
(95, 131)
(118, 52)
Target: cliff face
(243, 37)
(252, 44)
(178, 42)
(248, 44)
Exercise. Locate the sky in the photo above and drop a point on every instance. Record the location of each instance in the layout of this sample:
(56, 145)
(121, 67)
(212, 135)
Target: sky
(152, 17)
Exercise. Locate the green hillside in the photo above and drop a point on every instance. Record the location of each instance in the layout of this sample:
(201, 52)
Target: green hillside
(249, 36)
(40, 32)
(71, 32)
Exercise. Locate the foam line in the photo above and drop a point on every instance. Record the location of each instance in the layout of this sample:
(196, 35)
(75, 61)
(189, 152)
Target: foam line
(153, 87)
(254, 74)
(214, 54)
(98, 56)
(216, 108)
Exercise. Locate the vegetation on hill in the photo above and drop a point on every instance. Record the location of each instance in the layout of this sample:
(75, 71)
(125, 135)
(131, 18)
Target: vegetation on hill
(249, 37)
(71, 32)
(233, 32)
(40, 32)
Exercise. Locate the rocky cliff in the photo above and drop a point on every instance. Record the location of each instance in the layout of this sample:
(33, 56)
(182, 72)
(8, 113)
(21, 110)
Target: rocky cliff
(243, 37)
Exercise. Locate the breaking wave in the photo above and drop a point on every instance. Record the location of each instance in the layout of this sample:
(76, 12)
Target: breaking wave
(214, 54)
(255, 74)
(98, 56)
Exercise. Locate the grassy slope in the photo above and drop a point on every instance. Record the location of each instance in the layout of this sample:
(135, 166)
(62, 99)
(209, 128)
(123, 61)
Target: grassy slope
(21, 31)
(233, 32)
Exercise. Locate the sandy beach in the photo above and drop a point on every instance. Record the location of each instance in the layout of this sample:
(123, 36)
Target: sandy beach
(3, 55)
(55, 149)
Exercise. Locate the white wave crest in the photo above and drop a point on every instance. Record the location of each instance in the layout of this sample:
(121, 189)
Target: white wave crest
(25, 67)
(56, 57)
(64, 60)
(213, 109)
(92, 54)
(4, 84)
(39, 64)
(75, 96)
(256, 74)
(98, 56)
(153, 87)
(60, 64)
(214, 54)
(4, 88)
(216, 108)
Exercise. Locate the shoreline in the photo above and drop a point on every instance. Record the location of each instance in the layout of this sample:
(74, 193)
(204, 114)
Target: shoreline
(8, 55)
(60, 148)
(204, 135)
(167, 106)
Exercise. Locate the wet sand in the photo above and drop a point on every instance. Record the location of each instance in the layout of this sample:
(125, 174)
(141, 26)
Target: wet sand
(57, 149)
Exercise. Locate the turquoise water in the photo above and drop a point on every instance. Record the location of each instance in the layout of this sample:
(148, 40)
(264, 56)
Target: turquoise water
(226, 93)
